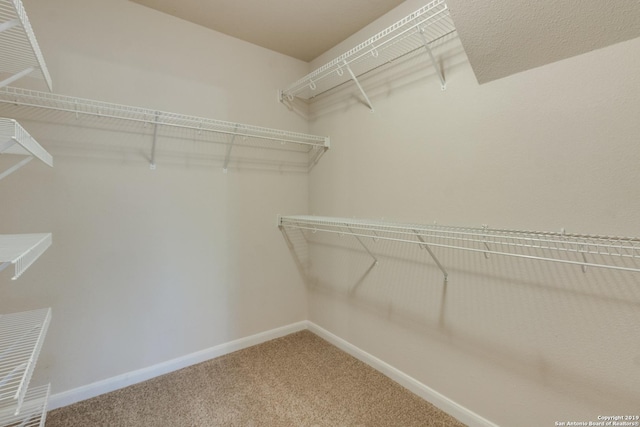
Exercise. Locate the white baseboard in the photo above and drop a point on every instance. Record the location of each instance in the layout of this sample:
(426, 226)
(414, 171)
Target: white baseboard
(88, 391)
(447, 405)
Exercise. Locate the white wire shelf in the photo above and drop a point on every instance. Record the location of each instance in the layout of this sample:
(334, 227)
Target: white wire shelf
(231, 134)
(415, 32)
(618, 253)
(21, 338)
(22, 250)
(33, 412)
(19, 50)
(15, 140)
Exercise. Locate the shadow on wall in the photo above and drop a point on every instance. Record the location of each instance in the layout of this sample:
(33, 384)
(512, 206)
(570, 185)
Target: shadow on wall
(553, 325)
(412, 70)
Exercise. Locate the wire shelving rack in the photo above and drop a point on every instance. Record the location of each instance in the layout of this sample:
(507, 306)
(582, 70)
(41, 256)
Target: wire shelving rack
(33, 412)
(19, 49)
(15, 140)
(22, 250)
(230, 134)
(415, 32)
(21, 338)
(617, 253)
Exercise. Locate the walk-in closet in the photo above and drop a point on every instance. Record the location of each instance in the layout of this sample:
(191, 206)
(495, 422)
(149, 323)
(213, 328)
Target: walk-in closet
(305, 213)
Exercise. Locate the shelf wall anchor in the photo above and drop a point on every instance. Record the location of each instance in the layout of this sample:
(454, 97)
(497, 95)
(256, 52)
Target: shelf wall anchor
(443, 83)
(425, 246)
(353, 77)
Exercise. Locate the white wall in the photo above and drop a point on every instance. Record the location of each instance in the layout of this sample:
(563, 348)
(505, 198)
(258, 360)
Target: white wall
(518, 342)
(146, 265)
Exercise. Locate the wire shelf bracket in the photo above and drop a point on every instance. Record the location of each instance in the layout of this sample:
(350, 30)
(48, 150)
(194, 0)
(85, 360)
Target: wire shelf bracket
(424, 245)
(21, 338)
(22, 250)
(227, 156)
(436, 67)
(15, 140)
(375, 260)
(417, 31)
(316, 145)
(19, 49)
(607, 252)
(355, 80)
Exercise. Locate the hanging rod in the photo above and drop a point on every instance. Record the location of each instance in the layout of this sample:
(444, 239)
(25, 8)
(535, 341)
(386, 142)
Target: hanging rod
(104, 110)
(414, 32)
(19, 49)
(548, 246)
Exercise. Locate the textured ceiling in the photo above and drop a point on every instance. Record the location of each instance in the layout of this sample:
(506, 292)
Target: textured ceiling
(500, 37)
(303, 29)
(503, 37)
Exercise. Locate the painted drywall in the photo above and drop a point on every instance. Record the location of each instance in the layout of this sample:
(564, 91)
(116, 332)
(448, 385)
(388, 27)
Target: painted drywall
(148, 266)
(519, 342)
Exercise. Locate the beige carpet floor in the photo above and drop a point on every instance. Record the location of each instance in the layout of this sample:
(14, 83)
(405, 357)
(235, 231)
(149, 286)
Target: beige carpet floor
(297, 380)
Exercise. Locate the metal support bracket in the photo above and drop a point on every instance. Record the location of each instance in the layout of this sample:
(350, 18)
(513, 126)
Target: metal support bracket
(443, 83)
(15, 167)
(152, 166)
(375, 260)
(582, 251)
(426, 246)
(9, 24)
(486, 245)
(228, 155)
(16, 76)
(364, 94)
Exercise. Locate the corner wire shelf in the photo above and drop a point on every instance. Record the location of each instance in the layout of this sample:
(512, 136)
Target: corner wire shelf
(22, 250)
(33, 412)
(617, 253)
(236, 134)
(415, 32)
(19, 49)
(15, 140)
(21, 338)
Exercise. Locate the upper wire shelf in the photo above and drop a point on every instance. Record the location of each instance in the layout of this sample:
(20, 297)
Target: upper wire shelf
(414, 32)
(33, 412)
(229, 133)
(22, 250)
(15, 140)
(19, 49)
(618, 253)
(21, 338)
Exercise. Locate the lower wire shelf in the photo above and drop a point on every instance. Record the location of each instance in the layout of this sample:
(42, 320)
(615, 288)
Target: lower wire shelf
(22, 250)
(616, 253)
(33, 412)
(21, 338)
